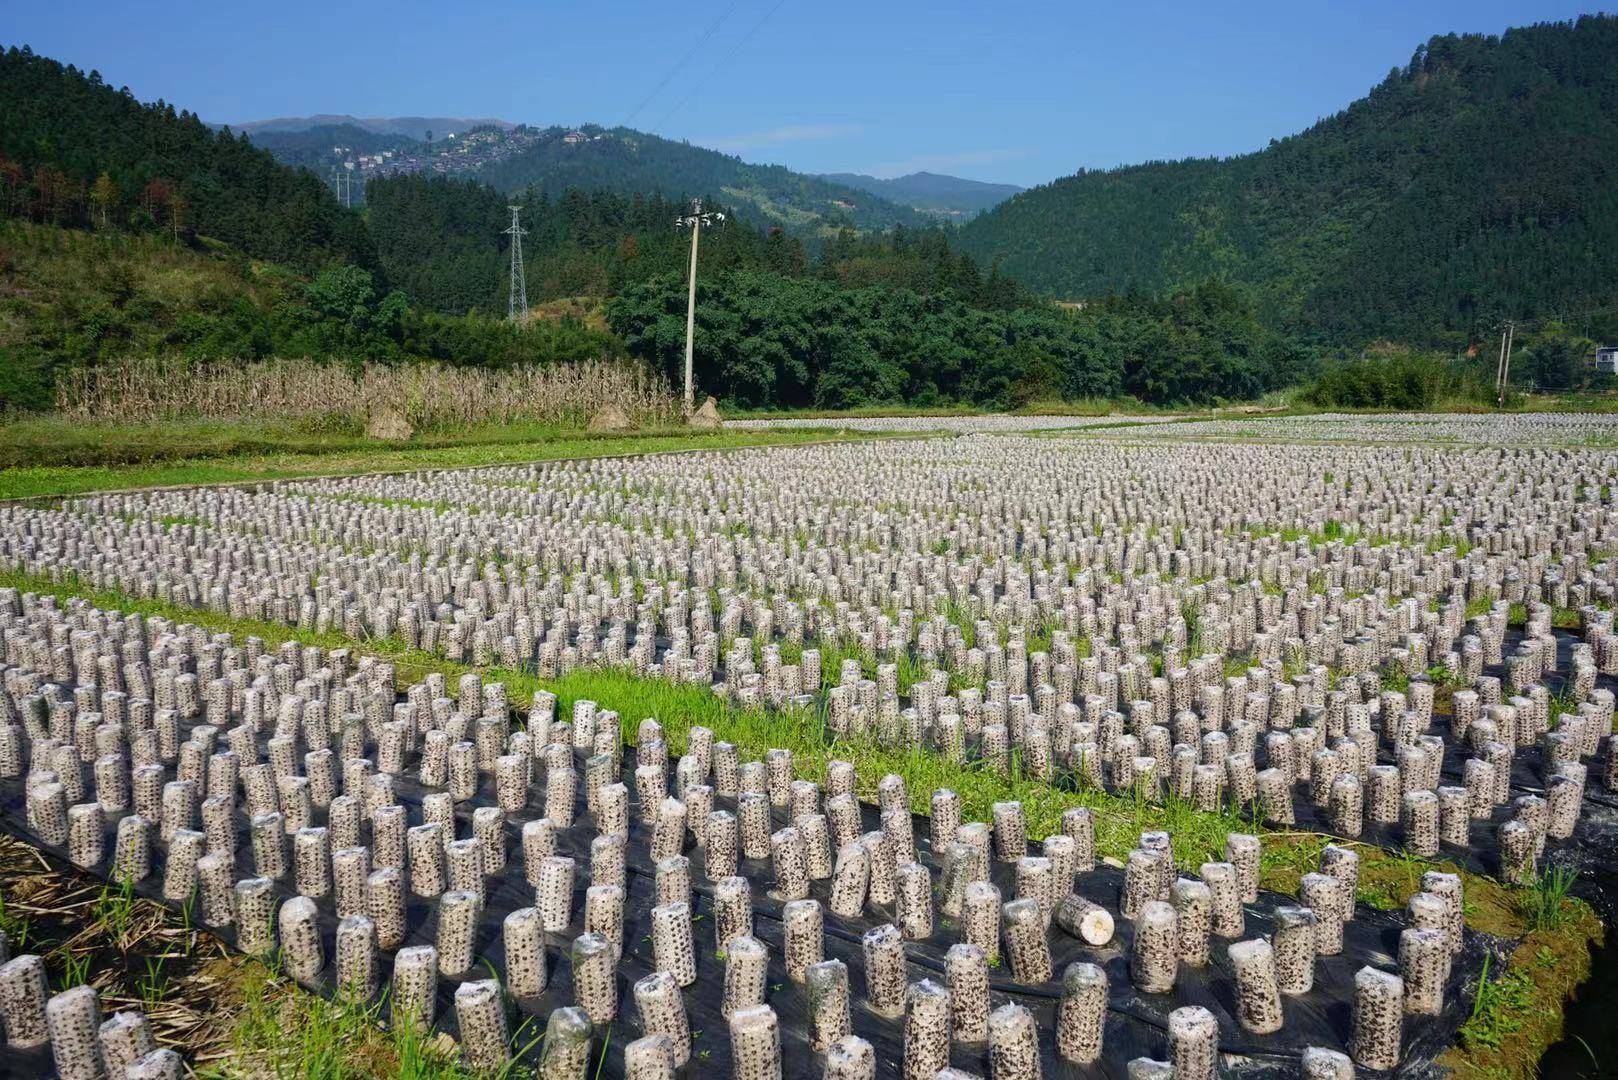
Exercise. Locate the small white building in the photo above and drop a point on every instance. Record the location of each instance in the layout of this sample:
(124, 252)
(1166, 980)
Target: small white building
(1607, 360)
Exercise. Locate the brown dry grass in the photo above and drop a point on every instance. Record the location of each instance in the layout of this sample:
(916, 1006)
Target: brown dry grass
(232, 1017)
(136, 953)
(428, 395)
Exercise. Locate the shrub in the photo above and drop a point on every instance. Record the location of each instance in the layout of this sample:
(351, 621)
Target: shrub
(1408, 381)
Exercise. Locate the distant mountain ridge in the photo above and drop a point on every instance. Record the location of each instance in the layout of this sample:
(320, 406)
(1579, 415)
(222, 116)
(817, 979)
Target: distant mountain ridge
(595, 158)
(949, 196)
(627, 161)
(415, 127)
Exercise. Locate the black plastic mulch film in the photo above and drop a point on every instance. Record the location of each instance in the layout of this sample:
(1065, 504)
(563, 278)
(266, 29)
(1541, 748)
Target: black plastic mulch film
(1136, 1023)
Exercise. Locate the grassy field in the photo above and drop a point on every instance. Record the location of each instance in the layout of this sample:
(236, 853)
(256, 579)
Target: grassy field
(1516, 1016)
(43, 458)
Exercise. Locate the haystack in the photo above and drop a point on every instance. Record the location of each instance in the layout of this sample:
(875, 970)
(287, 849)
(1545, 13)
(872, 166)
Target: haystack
(707, 418)
(610, 418)
(389, 422)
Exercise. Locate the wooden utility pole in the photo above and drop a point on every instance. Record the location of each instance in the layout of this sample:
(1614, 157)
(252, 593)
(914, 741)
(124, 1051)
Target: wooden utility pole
(1500, 360)
(1503, 371)
(694, 221)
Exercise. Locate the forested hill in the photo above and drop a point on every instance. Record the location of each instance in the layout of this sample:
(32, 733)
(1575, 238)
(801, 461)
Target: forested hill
(76, 151)
(312, 148)
(631, 162)
(441, 240)
(1479, 182)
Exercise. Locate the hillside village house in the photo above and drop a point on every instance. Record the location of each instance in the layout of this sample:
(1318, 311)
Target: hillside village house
(1607, 360)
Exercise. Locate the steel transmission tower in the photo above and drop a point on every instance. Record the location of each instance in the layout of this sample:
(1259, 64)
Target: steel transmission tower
(695, 221)
(517, 307)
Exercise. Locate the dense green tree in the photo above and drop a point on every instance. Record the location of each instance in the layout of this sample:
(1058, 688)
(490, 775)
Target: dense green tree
(345, 298)
(442, 240)
(1399, 379)
(1553, 358)
(67, 131)
(767, 339)
(1477, 183)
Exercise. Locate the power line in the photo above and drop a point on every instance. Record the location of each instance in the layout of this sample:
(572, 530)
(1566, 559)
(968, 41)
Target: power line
(675, 70)
(734, 49)
(1566, 316)
(343, 185)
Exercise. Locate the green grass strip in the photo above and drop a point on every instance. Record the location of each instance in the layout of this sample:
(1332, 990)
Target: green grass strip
(1387, 878)
(1198, 835)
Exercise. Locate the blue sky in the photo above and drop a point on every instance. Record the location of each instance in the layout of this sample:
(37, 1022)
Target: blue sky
(1007, 90)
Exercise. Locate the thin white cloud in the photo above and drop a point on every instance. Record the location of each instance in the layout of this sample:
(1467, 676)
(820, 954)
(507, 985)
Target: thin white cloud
(942, 162)
(778, 136)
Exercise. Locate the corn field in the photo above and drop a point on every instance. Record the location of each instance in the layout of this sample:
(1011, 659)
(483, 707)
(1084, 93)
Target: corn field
(427, 395)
